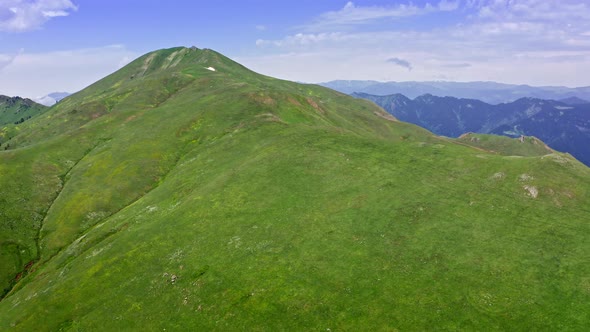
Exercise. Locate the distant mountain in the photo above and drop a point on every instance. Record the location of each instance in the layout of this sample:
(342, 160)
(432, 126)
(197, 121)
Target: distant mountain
(563, 127)
(52, 98)
(574, 101)
(17, 109)
(489, 92)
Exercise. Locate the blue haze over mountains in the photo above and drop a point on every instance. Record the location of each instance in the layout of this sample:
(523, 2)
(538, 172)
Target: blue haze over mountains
(562, 125)
(489, 92)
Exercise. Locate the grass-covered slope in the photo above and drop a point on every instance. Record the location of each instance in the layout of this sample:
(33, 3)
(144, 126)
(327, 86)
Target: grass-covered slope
(525, 146)
(15, 110)
(170, 196)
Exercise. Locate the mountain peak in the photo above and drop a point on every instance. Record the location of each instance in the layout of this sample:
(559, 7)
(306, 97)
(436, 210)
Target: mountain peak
(171, 58)
(169, 76)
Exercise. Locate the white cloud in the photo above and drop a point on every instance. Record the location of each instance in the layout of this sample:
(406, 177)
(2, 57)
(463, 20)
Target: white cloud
(45, 100)
(456, 65)
(351, 14)
(53, 13)
(446, 5)
(536, 10)
(37, 74)
(24, 15)
(325, 65)
(125, 60)
(514, 41)
(5, 60)
(304, 39)
(322, 66)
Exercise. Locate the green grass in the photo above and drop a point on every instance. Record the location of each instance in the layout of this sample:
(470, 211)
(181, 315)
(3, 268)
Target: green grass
(524, 146)
(198, 200)
(13, 112)
(17, 110)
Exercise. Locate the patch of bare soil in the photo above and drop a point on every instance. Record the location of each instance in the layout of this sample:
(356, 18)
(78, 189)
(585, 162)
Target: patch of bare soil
(315, 105)
(385, 116)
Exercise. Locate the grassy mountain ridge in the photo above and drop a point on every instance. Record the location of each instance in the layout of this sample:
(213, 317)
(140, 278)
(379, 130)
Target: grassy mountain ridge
(15, 110)
(179, 197)
(523, 146)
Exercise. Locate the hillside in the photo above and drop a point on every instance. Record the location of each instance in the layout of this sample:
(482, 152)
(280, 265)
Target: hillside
(562, 126)
(18, 110)
(186, 192)
(488, 92)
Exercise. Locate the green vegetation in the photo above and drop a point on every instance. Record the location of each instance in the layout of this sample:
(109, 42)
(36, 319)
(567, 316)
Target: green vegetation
(15, 110)
(523, 146)
(169, 196)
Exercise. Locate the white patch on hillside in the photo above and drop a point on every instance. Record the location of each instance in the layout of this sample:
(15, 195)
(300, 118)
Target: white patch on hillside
(211, 69)
(532, 191)
(146, 63)
(563, 107)
(525, 177)
(173, 59)
(499, 176)
(533, 110)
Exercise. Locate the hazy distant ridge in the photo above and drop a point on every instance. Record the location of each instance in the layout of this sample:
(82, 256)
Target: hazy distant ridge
(489, 92)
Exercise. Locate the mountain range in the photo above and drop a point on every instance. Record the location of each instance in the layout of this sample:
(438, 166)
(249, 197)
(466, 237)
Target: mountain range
(564, 126)
(489, 92)
(186, 192)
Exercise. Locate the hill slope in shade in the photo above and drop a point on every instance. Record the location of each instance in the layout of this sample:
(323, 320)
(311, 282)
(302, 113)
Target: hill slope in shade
(170, 196)
(18, 110)
(563, 127)
(489, 92)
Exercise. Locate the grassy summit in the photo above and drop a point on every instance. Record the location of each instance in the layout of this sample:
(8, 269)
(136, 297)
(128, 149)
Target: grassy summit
(173, 196)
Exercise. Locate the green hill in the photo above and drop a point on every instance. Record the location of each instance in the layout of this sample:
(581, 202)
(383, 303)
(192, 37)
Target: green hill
(15, 110)
(185, 192)
(523, 146)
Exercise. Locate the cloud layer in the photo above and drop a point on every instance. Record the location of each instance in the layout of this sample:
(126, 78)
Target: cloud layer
(23, 15)
(540, 42)
(33, 75)
(353, 15)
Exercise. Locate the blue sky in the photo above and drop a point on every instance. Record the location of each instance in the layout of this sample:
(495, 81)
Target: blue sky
(65, 45)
